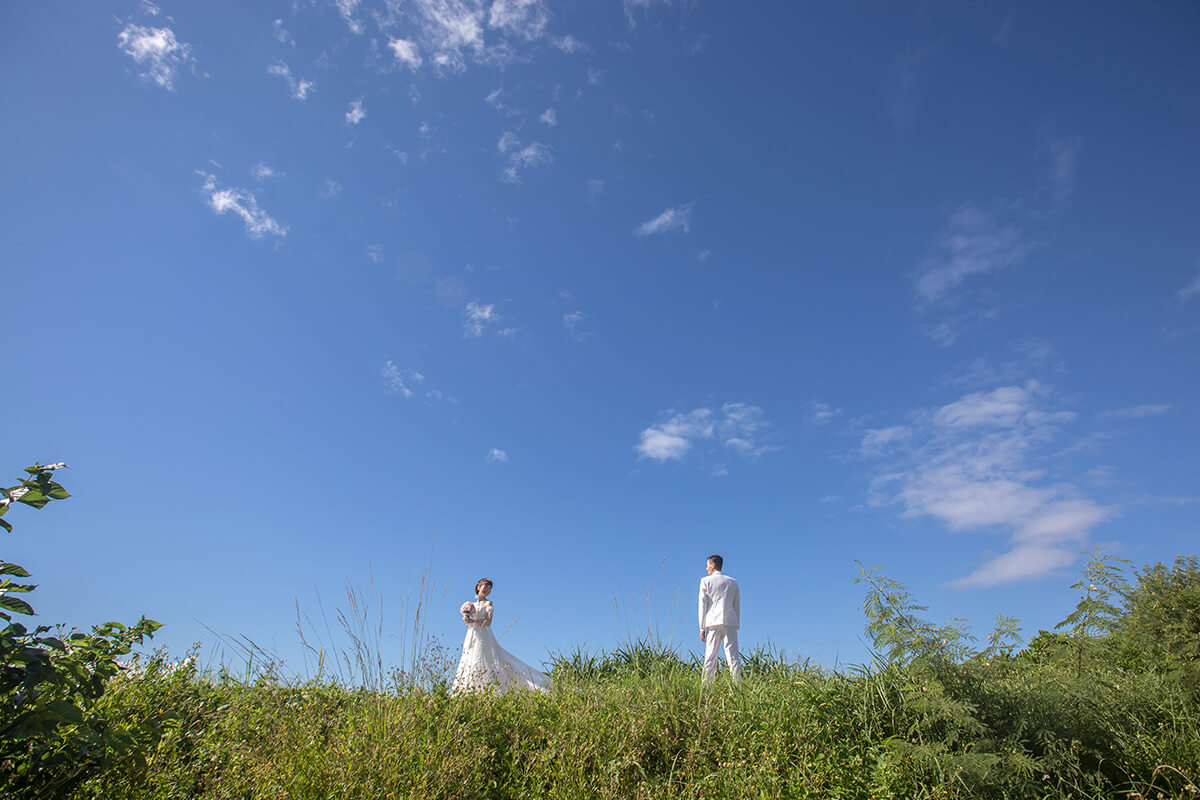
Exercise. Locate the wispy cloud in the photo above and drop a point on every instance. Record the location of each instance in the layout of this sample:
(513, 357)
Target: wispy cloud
(331, 188)
(262, 171)
(878, 441)
(520, 157)
(972, 465)
(281, 33)
(348, 9)
(973, 243)
(1062, 158)
(573, 321)
(406, 52)
(242, 203)
(375, 253)
(477, 318)
(526, 19)
(672, 219)
(633, 6)
(298, 88)
(821, 413)
(1188, 291)
(357, 113)
(548, 117)
(1028, 356)
(568, 44)
(1135, 412)
(496, 456)
(737, 429)
(399, 380)
(157, 53)
(595, 188)
(903, 96)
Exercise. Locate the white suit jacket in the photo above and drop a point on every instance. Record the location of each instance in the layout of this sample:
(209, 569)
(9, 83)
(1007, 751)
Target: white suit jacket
(720, 601)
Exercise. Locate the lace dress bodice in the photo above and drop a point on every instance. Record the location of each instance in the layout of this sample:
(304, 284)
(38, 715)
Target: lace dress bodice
(484, 611)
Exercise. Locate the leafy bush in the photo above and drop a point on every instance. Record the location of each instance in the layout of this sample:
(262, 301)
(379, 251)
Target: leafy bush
(51, 736)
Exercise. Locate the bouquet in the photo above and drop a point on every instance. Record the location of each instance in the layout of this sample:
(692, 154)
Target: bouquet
(467, 610)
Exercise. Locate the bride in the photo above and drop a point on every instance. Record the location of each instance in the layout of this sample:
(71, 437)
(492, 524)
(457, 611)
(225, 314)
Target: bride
(484, 662)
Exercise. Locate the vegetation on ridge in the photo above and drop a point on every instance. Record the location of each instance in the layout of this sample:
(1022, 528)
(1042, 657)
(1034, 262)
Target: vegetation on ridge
(1107, 705)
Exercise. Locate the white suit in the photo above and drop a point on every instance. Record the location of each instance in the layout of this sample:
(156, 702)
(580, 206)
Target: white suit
(720, 613)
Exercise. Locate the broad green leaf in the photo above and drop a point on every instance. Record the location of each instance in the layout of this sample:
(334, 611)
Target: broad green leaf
(65, 710)
(34, 498)
(57, 492)
(15, 604)
(12, 569)
(5, 524)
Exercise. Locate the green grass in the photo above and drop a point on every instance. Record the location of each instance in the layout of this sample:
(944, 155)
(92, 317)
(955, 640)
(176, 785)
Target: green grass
(636, 723)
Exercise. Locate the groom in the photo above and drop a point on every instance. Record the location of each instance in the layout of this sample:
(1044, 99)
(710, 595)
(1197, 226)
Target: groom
(720, 607)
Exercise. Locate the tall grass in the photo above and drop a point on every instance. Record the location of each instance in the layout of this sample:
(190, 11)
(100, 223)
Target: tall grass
(929, 718)
(637, 722)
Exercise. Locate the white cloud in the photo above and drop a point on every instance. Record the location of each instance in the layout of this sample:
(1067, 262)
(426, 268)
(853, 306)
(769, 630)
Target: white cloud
(262, 171)
(331, 188)
(672, 439)
(972, 465)
(1146, 410)
(375, 253)
(299, 89)
(821, 413)
(1062, 156)
(519, 158)
(450, 30)
(281, 33)
(1192, 288)
(347, 9)
(357, 113)
(549, 117)
(735, 427)
(397, 380)
(243, 203)
(972, 244)
(1029, 355)
(594, 76)
(406, 52)
(524, 18)
(569, 44)
(573, 322)
(477, 317)
(497, 456)
(595, 188)
(633, 5)
(670, 220)
(157, 53)
(1003, 407)
(877, 441)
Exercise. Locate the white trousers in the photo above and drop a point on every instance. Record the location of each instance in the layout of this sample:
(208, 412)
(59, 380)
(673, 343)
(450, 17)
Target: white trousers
(713, 639)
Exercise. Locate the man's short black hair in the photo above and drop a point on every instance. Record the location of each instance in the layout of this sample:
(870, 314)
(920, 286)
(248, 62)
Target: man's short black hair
(717, 561)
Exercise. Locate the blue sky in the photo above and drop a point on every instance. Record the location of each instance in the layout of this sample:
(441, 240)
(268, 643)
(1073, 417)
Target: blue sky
(571, 295)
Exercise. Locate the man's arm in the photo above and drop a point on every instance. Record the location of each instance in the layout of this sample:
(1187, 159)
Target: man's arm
(704, 603)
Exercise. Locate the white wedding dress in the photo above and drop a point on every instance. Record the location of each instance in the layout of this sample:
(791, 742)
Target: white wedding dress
(487, 665)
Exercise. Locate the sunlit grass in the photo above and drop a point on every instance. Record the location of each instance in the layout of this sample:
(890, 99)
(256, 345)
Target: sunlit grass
(637, 722)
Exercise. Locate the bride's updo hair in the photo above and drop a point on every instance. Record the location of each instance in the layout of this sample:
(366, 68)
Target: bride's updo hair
(482, 582)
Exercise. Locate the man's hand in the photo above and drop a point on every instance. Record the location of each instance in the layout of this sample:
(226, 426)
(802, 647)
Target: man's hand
(702, 633)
